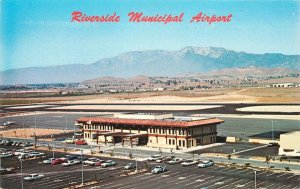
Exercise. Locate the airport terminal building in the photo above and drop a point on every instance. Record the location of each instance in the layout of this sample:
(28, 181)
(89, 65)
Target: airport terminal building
(153, 130)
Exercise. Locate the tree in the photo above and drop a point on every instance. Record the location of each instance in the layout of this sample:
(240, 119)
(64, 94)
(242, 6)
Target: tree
(229, 157)
(268, 158)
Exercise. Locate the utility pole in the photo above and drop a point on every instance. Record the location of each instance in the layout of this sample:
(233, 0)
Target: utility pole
(34, 120)
(0, 174)
(136, 169)
(81, 169)
(272, 131)
(66, 121)
(254, 179)
(52, 147)
(22, 187)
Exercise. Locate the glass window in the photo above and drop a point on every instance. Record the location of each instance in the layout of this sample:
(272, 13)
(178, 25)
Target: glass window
(183, 143)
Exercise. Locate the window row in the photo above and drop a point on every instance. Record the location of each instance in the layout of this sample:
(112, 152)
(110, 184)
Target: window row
(100, 127)
(170, 131)
(181, 143)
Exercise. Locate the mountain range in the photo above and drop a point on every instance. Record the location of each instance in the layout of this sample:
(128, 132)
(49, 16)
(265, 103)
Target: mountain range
(151, 63)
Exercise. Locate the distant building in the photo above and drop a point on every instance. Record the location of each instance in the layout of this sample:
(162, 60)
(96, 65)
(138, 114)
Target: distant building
(290, 144)
(266, 138)
(280, 85)
(153, 130)
(159, 89)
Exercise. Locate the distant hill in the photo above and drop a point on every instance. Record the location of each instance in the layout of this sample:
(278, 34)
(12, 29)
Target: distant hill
(254, 71)
(151, 63)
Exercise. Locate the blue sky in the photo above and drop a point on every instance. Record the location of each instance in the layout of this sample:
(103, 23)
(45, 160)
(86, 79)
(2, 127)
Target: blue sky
(39, 32)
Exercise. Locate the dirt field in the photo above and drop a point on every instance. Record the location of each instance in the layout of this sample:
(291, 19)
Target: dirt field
(29, 132)
(222, 95)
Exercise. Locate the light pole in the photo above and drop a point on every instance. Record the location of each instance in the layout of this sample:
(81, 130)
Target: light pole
(254, 179)
(34, 120)
(272, 131)
(66, 121)
(0, 174)
(74, 138)
(52, 147)
(136, 169)
(81, 168)
(21, 173)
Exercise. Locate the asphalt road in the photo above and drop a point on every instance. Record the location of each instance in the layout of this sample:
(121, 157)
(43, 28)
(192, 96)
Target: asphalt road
(226, 108)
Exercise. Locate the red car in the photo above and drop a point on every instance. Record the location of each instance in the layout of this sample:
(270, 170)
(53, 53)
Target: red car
(99, 162)
(58, 161)
(80, 142)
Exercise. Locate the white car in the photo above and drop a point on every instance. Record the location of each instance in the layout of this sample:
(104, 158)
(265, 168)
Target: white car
(8, 123)
(189, 162)
(34, 177)
(159, 169)
(175, 161)
(91, 161)
(205, 164)
(48, 161)
(6, 154)
(154, 157)
(21, 151)
(71, 162)
(35, 154)
(108, 163)
(130, 166)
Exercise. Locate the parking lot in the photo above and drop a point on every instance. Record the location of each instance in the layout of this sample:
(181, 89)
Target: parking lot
(213, 177)
(57, 176)
(177, 176)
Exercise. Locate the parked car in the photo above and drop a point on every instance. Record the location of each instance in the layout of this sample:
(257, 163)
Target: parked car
(4, 171)
(159, 169)
(21, 151)
(160, 160)
(34, 177)
(271, 144)
(81, 142)
(58, 161)
(71, 162)
(82, 158)
(35, 154)
(70, 157)
(48, 161)
(108, 163)
(154, 157)
(23, 156)
(189, 162)
(99, 163)
(6, 154)
(130, 166)
(9, 143)
(175, 161)
(27, 144)
(205, 164)
(91, 161)
(69, 141)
